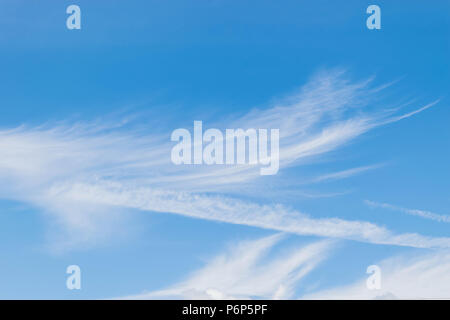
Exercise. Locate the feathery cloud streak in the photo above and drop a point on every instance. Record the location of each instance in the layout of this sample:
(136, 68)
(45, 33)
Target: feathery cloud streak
(240, 274)
(80, 173)
(414, 212)
(426, 276)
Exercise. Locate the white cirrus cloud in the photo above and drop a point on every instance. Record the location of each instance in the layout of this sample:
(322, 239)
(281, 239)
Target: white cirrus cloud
(248, 270)
(345, 173)
(84, 174)
(426, 276)
(414, 212)
(231, 210)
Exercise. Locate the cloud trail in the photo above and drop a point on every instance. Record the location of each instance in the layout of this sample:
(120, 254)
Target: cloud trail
(83, 174)
(248, 270)
(345, 173)
(426, 276)
(414, 212)
(235, 211)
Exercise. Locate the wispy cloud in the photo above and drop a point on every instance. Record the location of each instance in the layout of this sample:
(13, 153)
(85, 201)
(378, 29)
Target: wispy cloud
(83, 174)
(248, 270)
(426, 276)
(235, 211)
(345, 173)
(414, 212)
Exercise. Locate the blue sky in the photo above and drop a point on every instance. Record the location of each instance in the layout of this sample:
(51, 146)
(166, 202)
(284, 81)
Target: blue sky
(85, 138)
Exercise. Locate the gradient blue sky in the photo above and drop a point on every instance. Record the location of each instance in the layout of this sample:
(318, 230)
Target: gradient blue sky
(163, 64)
